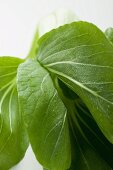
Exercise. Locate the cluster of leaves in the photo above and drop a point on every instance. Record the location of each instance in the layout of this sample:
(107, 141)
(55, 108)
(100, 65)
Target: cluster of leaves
(60, 99)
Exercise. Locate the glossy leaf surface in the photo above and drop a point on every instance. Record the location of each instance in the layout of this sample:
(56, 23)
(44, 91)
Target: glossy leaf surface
(13, 137)
(82, 57)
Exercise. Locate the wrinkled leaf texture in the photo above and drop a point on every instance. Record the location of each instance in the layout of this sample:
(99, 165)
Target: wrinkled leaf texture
(81, 57)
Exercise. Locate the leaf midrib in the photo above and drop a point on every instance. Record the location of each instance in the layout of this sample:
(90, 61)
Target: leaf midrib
(80, 85)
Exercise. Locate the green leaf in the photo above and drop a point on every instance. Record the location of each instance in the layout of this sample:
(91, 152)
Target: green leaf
(45, 116)
(58, 18)
(82, 57)
(90, 148)
(8, 69)
(95, 139)
(13, 138)
(84, 156)
(109, 34)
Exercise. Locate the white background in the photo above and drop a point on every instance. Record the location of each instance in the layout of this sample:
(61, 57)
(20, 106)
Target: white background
(19, 19)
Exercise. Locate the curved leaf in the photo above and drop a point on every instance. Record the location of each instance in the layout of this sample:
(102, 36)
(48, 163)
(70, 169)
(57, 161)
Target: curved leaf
(90, 149)
(84, 156)
(45, 116)
(13, 138)
(82, 57)
(94, 136)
